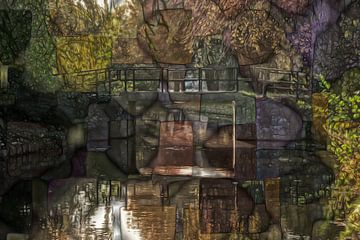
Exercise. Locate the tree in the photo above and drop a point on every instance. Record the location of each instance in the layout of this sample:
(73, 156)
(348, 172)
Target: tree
(15, 32)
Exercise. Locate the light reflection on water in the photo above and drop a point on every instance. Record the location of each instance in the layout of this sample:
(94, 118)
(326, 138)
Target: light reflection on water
(192, 208)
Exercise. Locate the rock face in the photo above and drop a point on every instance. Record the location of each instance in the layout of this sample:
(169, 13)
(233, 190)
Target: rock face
(295, 6)
(336, 49)
(166, 33)
(276, 122)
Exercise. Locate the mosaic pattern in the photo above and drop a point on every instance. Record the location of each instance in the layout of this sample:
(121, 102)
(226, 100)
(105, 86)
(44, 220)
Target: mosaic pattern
(179, 119)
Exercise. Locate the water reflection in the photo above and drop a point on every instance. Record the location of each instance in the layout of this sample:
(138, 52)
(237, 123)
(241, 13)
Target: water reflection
(178, 207)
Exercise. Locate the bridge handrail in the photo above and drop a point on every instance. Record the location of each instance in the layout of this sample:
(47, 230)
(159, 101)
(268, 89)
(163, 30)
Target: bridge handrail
(105, 78)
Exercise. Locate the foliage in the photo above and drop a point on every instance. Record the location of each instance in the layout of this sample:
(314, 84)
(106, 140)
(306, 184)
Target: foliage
(76, 54)
(15, 32)
(346, 83)
(353, 223)
(303, 105)
(69, 17)
(84, 22)
(256, 35)
(39, 55)
(343, 128)
(207, 18)
(125, 20)
(85, 33)
(87, 17)
(324, 85)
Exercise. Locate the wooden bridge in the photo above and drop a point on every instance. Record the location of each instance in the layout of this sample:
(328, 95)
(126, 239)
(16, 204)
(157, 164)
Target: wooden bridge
(115, 80)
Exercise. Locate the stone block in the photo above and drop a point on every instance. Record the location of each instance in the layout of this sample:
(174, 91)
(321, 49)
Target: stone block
(98, 129)
(122, 154)
(121, 128)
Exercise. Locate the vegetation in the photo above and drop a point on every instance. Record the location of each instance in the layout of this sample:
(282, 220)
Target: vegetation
(15, 32)
(63, 36)
(343, 128)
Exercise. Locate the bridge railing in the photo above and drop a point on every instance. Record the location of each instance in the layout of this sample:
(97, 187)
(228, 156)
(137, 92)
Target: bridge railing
(113, 81)
(291, 82)
(151, 79)
(174, 79)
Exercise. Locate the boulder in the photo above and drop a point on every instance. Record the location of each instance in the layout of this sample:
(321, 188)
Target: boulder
(276, 123)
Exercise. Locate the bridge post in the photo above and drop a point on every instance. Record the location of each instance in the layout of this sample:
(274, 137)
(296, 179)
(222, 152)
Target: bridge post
(297, 85)
(236, 80)
(234, 135)
(125, 80)
(133, 79)
(109, 79)
(161, 78)
(200, 80)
